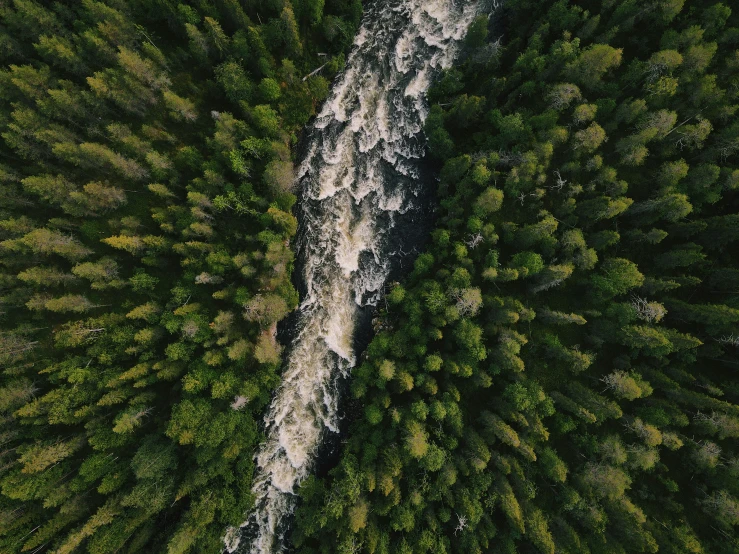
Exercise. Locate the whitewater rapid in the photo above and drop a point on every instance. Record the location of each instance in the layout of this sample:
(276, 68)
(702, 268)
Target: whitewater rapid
(359, 178)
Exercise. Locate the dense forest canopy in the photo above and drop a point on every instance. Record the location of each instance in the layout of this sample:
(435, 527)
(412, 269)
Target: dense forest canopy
(145, 216)
(559, 371)
(557, 374)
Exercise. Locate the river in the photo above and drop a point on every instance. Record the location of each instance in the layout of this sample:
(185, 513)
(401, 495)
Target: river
(361, 191)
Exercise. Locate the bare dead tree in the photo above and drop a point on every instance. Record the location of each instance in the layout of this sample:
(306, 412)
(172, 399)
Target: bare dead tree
(474, 240)
(461, 524)
(509, 158)
(559, 185)
(730, 340)
(648, 311)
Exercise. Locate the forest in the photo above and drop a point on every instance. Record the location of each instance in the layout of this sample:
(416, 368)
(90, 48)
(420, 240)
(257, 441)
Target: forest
(557, 374)
(145, 216)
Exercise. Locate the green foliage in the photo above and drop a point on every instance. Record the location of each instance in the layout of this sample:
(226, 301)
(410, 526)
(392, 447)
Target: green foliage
(144, 252)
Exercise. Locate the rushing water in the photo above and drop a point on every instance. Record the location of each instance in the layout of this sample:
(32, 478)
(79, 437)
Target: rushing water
(360, 184)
